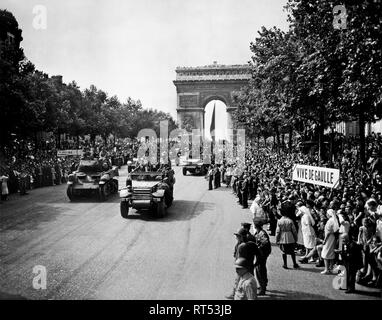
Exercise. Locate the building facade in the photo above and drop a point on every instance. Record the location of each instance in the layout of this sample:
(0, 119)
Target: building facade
(352, 128)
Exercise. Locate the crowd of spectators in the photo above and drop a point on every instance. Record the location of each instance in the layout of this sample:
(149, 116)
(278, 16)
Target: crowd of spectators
(331, 227)
(27, 166)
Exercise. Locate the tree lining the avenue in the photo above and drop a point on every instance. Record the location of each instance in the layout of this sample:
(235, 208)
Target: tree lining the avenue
(32, 102)
(314, 75)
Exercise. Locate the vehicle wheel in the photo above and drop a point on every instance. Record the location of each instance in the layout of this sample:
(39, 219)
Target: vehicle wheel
(124, 209)
(102, 193)
(169, 202)
(70, 193)
(161, 210)
(184, 171)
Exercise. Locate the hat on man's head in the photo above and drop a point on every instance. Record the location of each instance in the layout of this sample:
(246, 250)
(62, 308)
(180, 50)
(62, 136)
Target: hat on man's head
(246, 225)
(258, 222)
(241, 232)
(242, 263)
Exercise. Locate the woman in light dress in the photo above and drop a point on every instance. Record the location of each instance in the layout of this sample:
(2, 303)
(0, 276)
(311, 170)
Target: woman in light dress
(330, 241)
(308, 233)
(299, 214)
(4, 186)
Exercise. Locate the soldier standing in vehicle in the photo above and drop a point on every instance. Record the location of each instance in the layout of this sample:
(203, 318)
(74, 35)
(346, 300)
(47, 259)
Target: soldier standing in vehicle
(177, 159)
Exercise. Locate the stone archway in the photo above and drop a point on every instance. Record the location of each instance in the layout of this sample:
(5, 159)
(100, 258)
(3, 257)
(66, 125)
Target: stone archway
(196, 86)
(221, 118)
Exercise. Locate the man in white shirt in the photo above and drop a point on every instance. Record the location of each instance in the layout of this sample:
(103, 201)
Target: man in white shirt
(256, 208)
(246, 288)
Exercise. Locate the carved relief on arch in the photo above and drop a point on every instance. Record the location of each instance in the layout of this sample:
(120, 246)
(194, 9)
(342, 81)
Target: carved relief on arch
(188, 100)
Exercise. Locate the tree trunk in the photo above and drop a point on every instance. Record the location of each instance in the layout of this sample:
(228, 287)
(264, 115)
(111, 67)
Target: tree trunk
(35, 139)
(92, 139)
(277, 132)
(331, 144)
(321, 129)
(283, 140)
(362, 142)
(290, 142)
(78, 141)
(58, 140)
(265, 141)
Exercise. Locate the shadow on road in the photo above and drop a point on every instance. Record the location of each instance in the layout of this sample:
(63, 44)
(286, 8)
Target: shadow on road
(9, 296)
(292, 295)
(30, 219)
(181, 210)
(360, 290)
(93, 199)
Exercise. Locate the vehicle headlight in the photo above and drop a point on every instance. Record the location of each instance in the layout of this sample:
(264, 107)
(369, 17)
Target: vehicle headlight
(105, 177)
(124, 193)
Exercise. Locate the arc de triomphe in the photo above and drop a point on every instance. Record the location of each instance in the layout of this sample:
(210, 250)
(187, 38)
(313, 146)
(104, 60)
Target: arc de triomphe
(197, 86)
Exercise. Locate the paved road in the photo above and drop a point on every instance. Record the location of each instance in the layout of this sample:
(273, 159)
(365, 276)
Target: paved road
(90, 252)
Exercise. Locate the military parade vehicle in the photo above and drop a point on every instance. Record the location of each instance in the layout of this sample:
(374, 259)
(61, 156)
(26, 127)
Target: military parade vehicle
(152, 190)
(93, 177)
(195, 166)
(132, 163)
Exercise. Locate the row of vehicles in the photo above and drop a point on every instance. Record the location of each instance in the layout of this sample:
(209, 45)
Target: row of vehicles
(152, 190)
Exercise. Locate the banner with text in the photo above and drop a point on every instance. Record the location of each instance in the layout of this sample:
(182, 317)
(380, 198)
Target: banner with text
(66, 153)
(321, 176)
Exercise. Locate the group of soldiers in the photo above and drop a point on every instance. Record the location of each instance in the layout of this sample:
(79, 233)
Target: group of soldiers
(244, 185)
(215, 175)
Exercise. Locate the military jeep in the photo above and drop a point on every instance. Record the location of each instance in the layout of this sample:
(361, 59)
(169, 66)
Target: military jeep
(195, 166)
(147, 190)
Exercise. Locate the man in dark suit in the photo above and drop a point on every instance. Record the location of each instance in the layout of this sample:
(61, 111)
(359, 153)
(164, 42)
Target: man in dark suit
(210, 177)
(244, 190)
(216, 176)
(238, 189)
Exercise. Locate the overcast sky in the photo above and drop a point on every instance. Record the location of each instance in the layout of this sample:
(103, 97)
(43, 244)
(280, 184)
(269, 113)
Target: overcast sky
(131, 48)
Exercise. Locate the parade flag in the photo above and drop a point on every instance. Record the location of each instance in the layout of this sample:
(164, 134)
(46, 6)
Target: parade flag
(212, 127)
